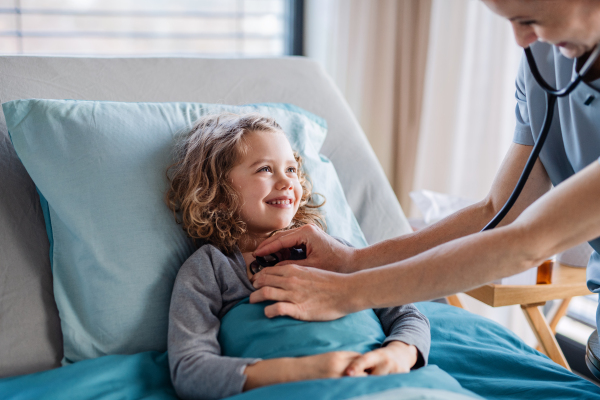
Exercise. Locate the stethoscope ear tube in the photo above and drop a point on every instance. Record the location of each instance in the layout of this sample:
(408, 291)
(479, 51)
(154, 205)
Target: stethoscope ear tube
(550, 102)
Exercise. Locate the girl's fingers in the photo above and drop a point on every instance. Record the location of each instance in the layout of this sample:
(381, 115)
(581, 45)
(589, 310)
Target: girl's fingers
(362, 364)
(380, 369)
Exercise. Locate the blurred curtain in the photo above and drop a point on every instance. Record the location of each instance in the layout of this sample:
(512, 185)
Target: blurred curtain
(467, 118)
(376, 53)
(468, 114)
(432, 85)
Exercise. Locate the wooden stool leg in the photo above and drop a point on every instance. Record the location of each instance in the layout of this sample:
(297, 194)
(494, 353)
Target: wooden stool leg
(544, 334)
(453, 300)
(562, 310)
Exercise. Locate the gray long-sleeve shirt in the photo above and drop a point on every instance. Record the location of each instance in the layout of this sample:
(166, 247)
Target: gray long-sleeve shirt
(207, 286)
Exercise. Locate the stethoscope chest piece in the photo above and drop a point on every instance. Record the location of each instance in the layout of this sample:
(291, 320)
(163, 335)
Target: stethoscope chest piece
(273, 259)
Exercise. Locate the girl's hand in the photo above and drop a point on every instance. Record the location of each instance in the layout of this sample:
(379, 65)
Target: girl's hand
(288, 369)
(327, 365)
(395, 358)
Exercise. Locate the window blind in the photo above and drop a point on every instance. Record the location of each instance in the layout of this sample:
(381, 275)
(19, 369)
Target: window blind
(220, 28)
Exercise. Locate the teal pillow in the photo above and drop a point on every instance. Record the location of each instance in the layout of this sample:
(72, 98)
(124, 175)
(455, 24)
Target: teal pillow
(115, 248)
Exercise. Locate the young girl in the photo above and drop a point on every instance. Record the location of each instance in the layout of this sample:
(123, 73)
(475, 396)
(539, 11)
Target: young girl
(235, 181)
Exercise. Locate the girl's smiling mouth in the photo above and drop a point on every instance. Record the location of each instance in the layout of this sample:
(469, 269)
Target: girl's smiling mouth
(281, 202)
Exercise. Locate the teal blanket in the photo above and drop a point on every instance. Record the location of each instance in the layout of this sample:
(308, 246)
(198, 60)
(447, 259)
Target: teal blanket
(137, 376)
(493, 362)
(481, 355)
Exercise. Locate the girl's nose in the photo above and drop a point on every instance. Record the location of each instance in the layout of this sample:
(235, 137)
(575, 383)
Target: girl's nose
(524, 34)
(285, 183)
(286, 186)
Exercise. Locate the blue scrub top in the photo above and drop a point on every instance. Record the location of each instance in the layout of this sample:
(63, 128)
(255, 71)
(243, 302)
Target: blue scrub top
(574, 139)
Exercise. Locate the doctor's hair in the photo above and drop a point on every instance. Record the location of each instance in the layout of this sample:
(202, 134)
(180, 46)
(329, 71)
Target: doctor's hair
(201, 195)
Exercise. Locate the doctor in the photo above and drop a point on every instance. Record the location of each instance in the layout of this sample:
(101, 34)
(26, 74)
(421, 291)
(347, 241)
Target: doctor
(451, 256)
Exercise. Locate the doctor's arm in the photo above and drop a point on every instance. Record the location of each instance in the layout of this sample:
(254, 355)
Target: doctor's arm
(325, 253)
(560, 219)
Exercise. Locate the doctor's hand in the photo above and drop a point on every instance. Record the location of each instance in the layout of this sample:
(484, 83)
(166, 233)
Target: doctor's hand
(322, 251)
(306, 293)
(395, 358)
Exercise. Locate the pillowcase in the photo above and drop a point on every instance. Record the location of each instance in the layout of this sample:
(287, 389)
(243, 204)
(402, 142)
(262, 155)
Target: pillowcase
(100, 169)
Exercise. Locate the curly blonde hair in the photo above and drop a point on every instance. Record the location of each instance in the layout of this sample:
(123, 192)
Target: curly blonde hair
(200, 194)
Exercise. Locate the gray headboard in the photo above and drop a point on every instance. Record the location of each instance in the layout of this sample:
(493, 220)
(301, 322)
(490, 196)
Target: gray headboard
(30, 337)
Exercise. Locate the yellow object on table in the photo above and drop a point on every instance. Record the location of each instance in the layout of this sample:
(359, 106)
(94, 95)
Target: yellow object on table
(567, 282)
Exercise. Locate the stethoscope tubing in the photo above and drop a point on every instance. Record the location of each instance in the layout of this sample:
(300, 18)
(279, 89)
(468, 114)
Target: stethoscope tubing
(551, 95)
(550, 102)
(542, 82)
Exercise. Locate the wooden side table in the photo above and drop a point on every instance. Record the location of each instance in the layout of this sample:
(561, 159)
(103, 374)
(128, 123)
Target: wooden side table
(567, 282)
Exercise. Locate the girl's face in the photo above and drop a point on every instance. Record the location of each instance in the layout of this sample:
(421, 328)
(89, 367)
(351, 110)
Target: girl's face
(266, 178)
(572, 25)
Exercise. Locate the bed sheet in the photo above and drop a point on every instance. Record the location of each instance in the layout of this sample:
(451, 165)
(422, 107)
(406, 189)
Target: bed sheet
(481, 355)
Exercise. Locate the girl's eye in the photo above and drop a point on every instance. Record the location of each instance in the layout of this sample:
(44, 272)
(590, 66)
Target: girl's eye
(292, 169)
(528, 22)
(266, 169)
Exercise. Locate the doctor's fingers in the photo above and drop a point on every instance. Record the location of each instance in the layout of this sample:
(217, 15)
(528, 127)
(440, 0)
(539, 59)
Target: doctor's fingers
(291, 238)
(269, 293)
(312, 294)
(281, 309)
(273, 280)
(265, 276)
(280, 240)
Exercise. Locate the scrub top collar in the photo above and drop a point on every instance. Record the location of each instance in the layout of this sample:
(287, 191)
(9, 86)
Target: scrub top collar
(594, 85)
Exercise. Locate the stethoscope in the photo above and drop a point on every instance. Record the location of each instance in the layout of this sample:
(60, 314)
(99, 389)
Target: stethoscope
(551, 95)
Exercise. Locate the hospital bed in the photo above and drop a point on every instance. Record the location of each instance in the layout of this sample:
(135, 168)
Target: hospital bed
(484, 357)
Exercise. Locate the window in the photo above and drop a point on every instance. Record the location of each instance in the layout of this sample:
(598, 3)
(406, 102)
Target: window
(213, 28)
(580, 321)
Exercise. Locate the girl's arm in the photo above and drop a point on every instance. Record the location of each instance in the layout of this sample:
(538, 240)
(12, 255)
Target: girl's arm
(281, 370)
(198, 370)
(406, 346)
(406, 324)
(395, 358)
(197, 367)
